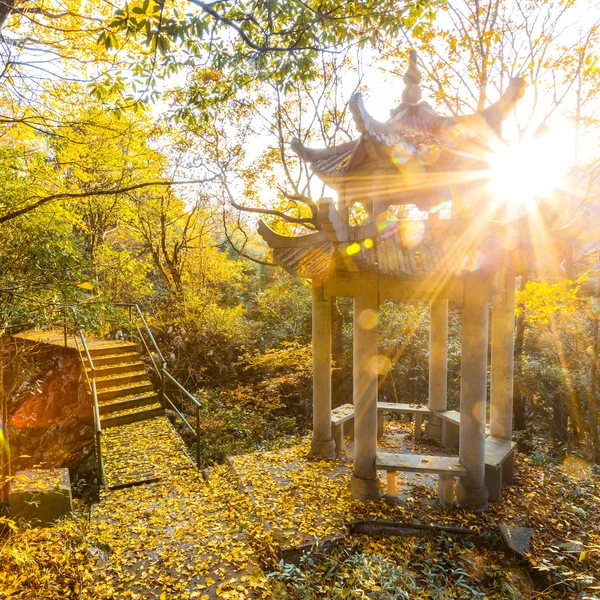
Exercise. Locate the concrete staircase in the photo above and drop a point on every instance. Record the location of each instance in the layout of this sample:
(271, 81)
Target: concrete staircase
(125, 393)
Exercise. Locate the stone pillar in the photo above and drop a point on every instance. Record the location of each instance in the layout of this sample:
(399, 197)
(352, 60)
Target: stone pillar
(322, 443)
(503, 348)
(365, 483)
(471, 490)
(438, 365)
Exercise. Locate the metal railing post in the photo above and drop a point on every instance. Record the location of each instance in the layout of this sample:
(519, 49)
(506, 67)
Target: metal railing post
(94, 391)
(98, 429)
(162, 385)
(197, 436)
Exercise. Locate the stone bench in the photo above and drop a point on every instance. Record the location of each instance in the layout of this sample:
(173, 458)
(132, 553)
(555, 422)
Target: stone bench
(339, 416)
(404, 409)
(451, 428)
(499, 465)
(40, 497)
(342, 419)
(447, 468)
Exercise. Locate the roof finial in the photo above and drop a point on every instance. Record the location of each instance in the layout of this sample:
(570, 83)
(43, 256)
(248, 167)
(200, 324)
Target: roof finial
(412, 78)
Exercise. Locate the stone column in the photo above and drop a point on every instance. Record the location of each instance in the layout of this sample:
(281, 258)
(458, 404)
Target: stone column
(471, 490)
(365, 483)
(503, 348)
(438, 365)
(322, 443)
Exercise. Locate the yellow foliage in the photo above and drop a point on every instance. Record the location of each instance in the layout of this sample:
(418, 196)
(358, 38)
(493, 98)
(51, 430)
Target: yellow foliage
(541, 301)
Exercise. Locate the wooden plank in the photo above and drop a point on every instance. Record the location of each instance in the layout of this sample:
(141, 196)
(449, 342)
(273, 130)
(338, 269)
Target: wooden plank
(342, 413)
(418, 463)
(453, 416)
(497, 450)
(410, 409)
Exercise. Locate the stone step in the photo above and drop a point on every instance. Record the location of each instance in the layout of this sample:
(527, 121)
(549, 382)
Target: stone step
(125, 390)
(117, 368)
(131, 415)
(127, 402)
(121, 379)
(113, 359)
(110, 349)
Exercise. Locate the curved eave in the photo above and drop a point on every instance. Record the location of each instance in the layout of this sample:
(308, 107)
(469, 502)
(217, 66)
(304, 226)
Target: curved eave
(275, 240)
(499, 111)
(572, 230)
(322, 154)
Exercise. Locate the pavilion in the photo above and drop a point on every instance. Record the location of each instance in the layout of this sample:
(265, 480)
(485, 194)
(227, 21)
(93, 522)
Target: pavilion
(461, 252)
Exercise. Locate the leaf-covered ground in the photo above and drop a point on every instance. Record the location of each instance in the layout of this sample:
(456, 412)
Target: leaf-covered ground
(142, 451)
(299, 500)
(184, 537)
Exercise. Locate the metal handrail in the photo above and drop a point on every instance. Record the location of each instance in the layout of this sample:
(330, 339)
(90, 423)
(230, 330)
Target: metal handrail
(141, 316)
(190, 396)
(164, 375)
(158, 371)
(197, 404)
(93, 391)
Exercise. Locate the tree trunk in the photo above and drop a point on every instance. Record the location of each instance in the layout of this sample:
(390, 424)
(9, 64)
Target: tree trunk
(4, 453)
(594, 425)
(337, 355)
(566, 408)
(518, 398)
(561, 420)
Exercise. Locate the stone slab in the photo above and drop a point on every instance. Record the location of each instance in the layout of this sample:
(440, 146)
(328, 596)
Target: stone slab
(418, 463)
(342, 414)
(408, 409)
(40, 497)
(497, 450)
(452, 416)
(517, 539)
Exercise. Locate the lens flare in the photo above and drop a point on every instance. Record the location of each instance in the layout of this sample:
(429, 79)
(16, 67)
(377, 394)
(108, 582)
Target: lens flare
(384, 365)
(3, 440)
(387, 224)
(412, 233)
(576, 468)
(368, 243)
(521, 174)
(439, 207)
(402, 153)
(472, 261)
(428, 154)
(367, 319)
(459, 133)
(353, 249)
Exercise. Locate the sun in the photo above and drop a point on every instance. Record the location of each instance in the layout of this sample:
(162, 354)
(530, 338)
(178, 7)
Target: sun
(524, 173)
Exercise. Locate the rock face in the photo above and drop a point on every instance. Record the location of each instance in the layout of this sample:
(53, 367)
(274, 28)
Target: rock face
(50, 419)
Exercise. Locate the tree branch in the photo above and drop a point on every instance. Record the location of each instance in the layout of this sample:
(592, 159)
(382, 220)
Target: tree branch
(101, 192)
